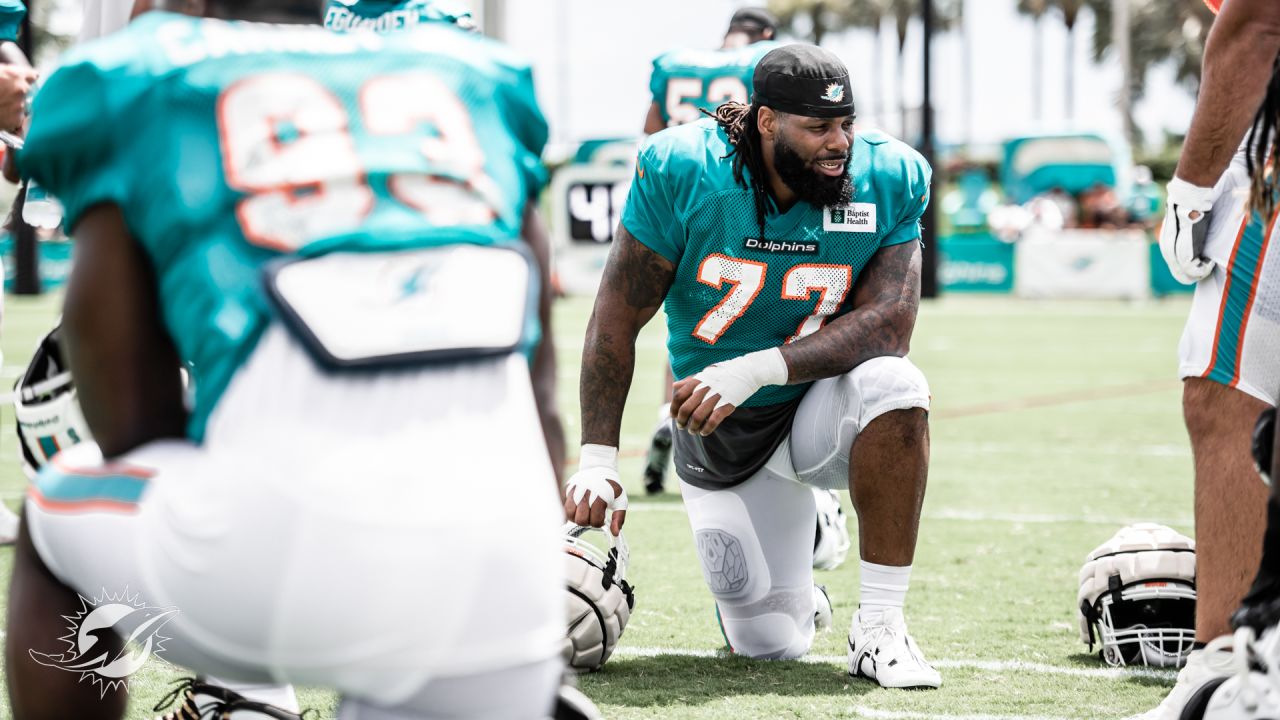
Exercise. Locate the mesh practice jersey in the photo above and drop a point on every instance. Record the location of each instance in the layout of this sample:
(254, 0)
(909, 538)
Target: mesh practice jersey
(736, 292)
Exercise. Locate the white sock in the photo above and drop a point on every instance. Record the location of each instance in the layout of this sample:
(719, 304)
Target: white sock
(281, 696)
(8, 525)
(883, 586)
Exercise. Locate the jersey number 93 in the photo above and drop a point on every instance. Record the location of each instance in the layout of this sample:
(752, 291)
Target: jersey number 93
(287, 144)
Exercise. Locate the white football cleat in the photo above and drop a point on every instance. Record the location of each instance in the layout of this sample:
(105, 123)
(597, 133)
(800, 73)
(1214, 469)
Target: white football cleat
(831, 544)
(822, 620)
(1251, 691)
(1214, 662)
(1246, 696)
(880, 648)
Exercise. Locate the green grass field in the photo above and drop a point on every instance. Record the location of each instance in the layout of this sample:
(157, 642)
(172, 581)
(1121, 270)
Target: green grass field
(1053, 425)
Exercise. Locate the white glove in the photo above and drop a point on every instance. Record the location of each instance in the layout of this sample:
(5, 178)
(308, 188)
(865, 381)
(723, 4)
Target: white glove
(597, 465)
(738, 379)
(1182, 235)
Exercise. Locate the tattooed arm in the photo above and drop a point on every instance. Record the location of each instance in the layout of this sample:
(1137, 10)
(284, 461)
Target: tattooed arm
(635, 281)
(885, 303)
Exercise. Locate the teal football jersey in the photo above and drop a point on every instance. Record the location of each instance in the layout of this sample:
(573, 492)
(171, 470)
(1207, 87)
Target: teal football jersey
(11, 14)
(735, 292)
(684, 82)
(228, 144)
(390, 15)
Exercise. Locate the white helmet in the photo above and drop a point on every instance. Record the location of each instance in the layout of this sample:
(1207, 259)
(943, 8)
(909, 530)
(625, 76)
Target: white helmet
(600, 599)
(1138, 590)
(831, 544)
(44, 402)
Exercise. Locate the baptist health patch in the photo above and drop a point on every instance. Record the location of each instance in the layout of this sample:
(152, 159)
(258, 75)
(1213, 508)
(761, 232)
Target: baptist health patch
(853, 217)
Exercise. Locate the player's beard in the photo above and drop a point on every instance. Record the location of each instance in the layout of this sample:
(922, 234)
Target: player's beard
(807, 183)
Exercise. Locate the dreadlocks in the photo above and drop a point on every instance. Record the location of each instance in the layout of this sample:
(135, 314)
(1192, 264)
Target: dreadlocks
(1263, 150)
(739, 123)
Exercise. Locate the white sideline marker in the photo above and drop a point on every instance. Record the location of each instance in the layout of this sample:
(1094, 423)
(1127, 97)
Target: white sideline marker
(995, 666)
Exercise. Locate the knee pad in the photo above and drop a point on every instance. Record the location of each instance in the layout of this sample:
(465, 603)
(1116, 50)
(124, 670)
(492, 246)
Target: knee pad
(777, 627)
(835, 410)
(885, 384)
(733, 569)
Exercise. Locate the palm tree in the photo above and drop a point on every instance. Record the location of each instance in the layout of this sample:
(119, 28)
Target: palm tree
(870, 14)
(827, 16)
(1070, 13)
(946, 15)
(1161, 30)
(1036, 9)
(1070, 10)
(820, 14)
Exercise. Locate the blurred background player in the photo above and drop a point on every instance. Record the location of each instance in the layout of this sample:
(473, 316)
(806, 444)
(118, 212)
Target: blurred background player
(1220, 234)
(789, 310)
(170, 271)
(685, 83)
(103, 17)
(391, 15)
(16, 79)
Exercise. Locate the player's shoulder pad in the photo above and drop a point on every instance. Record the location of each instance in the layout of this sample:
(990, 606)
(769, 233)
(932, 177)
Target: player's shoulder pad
(491, 57)
(86, 70)
(684, 152)
(685, 59)
(893, 162)
(668, 59)
(758, 50)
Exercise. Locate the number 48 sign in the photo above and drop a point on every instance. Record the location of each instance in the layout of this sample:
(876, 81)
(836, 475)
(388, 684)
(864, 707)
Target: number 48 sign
(586, 206)
(595, 209)
(587, 202)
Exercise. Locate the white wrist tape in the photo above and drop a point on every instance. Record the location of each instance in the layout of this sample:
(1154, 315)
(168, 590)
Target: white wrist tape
(1191, 197)
(594, 456)
(597, 465)
(738, 379)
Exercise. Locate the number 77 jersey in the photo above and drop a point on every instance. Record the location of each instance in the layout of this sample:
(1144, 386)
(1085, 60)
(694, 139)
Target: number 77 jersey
(228, 144)
(736, 292)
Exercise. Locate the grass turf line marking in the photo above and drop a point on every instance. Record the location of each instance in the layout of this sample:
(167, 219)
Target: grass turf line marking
(1035, 402)
(958, 515)
(994, 666)
(867, 712)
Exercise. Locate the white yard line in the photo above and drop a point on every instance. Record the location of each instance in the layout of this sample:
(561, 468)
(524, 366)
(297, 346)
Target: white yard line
(867, 712)
(944, 514)
(1039, 518)
(994, 448)
(994, 666)
(975, 516)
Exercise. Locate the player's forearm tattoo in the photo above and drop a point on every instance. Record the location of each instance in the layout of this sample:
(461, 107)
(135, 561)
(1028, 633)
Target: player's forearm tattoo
(634, 284)
(886, 300)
